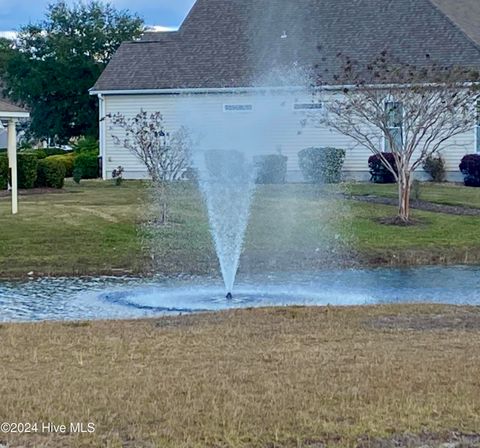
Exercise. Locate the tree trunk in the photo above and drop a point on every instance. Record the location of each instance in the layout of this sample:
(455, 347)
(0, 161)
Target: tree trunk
(160, 198)
(164, 213)
(163, 202)
(404, 190)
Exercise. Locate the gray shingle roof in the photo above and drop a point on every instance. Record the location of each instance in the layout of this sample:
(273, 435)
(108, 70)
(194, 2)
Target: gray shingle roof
(6, 106)
(465, 14)
(233, 43)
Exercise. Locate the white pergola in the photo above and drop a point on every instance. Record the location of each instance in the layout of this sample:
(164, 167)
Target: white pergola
(11, 113)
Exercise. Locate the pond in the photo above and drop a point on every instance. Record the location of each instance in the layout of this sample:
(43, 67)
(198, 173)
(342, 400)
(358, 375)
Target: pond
(127, 297)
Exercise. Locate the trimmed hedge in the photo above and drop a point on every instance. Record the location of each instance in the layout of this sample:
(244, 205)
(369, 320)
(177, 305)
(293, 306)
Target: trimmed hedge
(379, 172)
(33, 172)
(56, 151)
(322, 165)
(68, 160)
(27, 164)
(26, 170)
(86, 163)
(3, 171)
(51, 173)
(470, 168)
(271, 169)
(40, 153)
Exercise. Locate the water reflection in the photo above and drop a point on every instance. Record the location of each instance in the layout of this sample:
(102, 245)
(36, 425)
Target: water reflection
(125, 297)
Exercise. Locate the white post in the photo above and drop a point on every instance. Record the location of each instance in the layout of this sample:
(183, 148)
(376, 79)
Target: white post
(12, 162)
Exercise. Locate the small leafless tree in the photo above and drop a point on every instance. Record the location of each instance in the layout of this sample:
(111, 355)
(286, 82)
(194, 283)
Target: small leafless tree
(166, 156)
(387, 106)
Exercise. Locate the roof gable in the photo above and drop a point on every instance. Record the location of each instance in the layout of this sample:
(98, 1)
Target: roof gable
(463, 13)
(234, 43)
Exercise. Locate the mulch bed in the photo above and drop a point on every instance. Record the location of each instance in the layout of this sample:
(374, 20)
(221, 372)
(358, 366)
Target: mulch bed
(421, 205)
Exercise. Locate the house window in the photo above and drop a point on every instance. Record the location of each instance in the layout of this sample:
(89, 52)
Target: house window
(394, 111)
(237, 107)
(477, 127)
(307, 106)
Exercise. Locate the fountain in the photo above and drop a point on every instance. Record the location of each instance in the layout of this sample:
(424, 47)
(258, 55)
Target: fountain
(227, 181)
(227, 142)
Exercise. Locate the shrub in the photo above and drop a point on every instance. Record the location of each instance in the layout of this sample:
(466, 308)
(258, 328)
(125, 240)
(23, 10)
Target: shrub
(67, 160)
(470, 168)
(55, 151)
(322, 165)
(86, 163)
(77, 175)
(379, 172)
(271, 169)
(435, 167)
(3, 171)
(51, 173)
(191, 174)
(416, 190)
(40, 153)
(86, 144)
(27, 170)
(117, 175)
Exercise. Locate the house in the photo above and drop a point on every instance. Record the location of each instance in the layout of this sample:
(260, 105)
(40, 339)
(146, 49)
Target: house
(219, 64)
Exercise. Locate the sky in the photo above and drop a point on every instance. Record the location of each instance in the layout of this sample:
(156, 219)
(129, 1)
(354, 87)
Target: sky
(165, 13)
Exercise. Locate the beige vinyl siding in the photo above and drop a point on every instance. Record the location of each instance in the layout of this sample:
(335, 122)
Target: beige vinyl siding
(283, 133)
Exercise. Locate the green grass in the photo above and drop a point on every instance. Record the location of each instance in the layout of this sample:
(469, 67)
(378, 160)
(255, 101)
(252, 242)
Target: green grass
(95, 228)
(447, 194)
(89, 228)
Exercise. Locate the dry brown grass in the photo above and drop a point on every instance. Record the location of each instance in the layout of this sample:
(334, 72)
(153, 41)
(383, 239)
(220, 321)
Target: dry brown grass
(296, 377)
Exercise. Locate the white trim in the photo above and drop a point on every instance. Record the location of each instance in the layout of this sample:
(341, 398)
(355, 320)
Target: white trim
(12, 162)
(14, 114)
(179, 91)
(476, 126)
(194, 90)
(102, 134)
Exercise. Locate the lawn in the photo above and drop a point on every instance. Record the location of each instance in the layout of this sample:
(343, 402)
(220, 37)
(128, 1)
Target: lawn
(285, 378)
(98, 228)
(89, 228)
(447, 193)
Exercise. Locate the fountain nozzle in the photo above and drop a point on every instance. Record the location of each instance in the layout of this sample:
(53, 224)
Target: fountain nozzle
(229, 296)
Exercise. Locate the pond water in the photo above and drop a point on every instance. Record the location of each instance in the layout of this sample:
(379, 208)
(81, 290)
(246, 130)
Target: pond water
(126, 297)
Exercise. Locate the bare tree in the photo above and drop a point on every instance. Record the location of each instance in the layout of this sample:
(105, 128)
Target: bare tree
(166, 156)
(392, 107)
